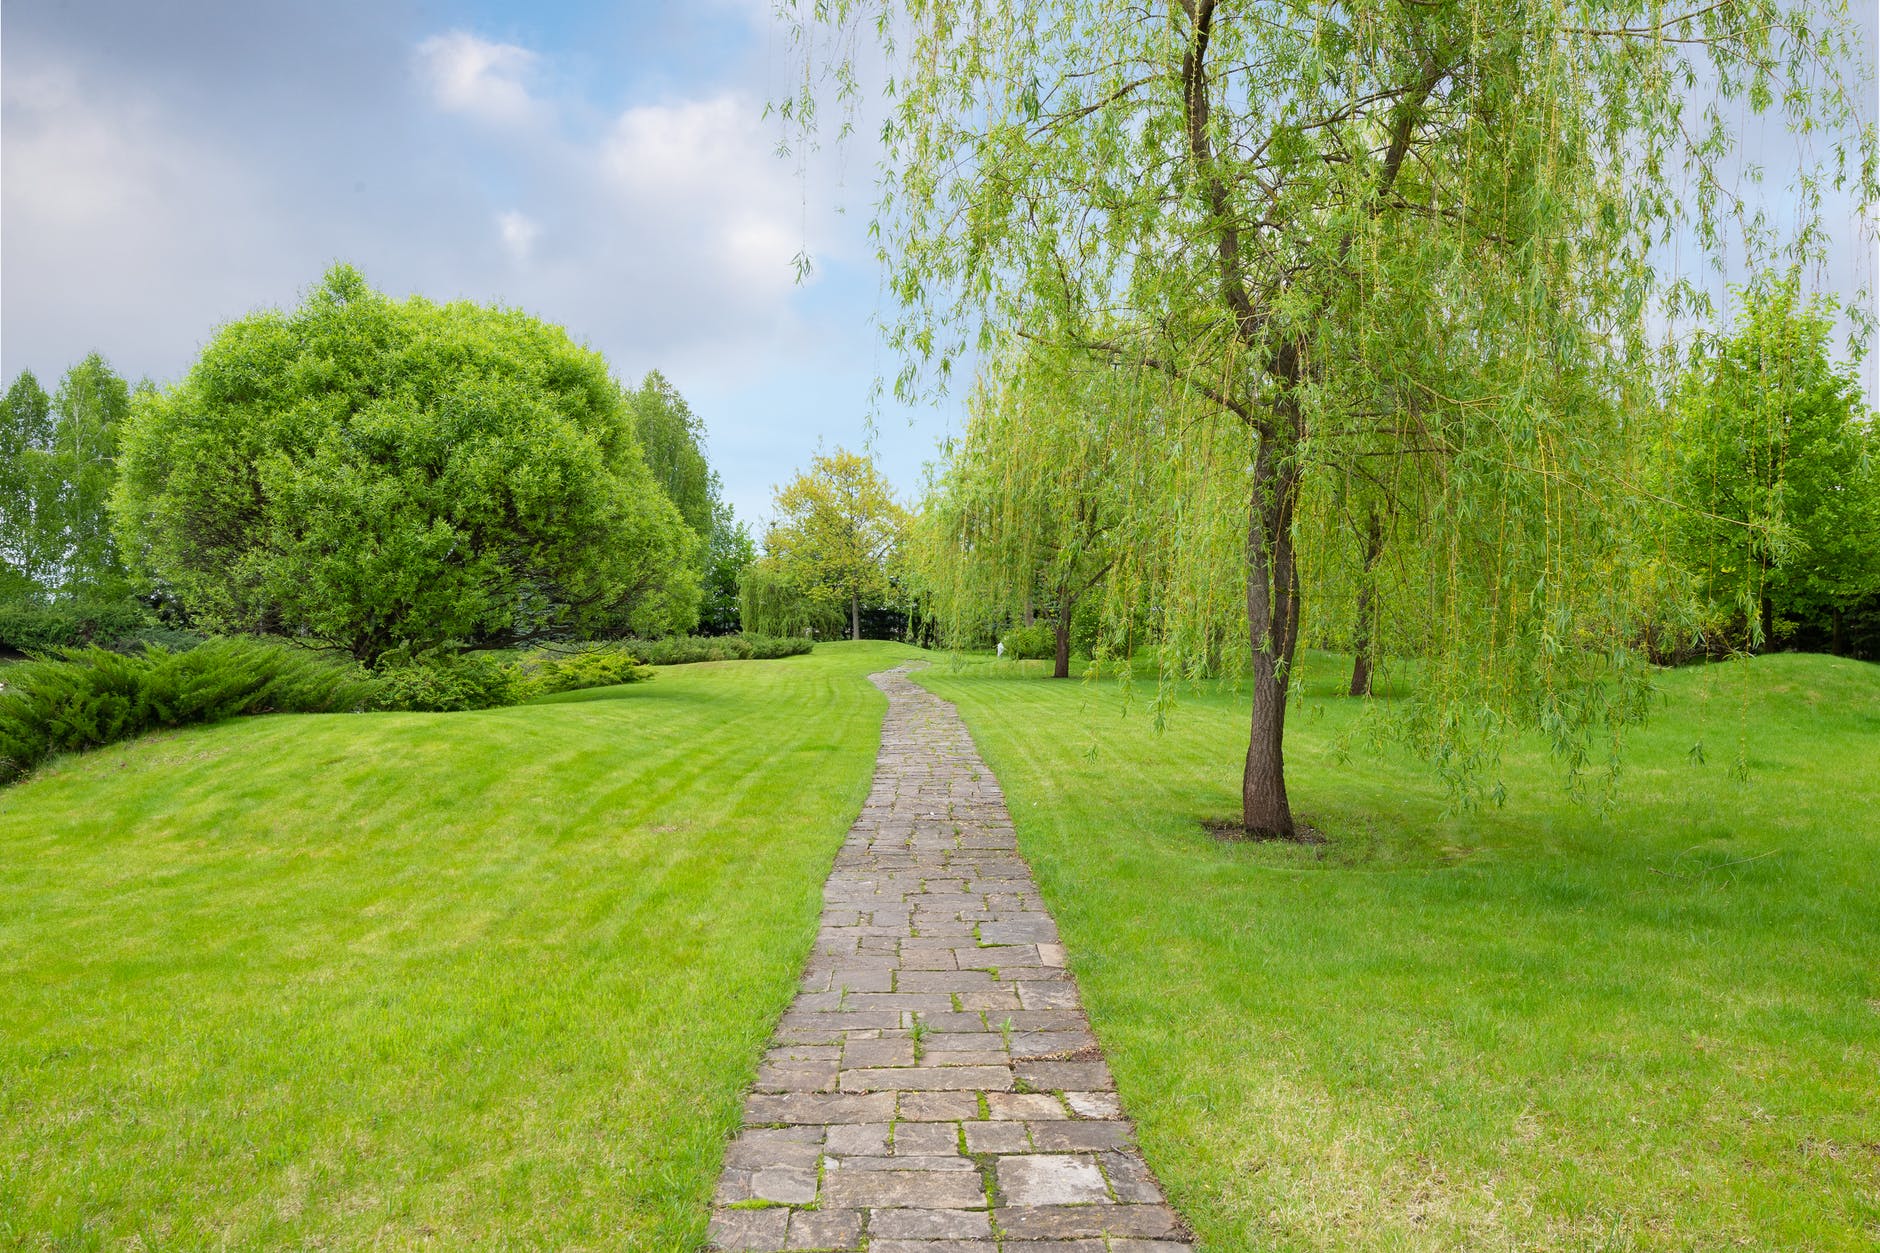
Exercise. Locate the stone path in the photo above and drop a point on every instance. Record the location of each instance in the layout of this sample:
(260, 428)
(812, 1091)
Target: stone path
(935, 1087)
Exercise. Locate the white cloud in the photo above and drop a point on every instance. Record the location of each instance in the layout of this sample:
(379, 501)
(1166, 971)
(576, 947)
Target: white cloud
(703, 175)
(487, 81)
(519, 233)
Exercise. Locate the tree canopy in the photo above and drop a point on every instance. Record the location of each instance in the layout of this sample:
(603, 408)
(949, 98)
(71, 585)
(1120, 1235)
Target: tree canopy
(1409, 247)
(672, 437)
(837, 532)
(28, 495)
(58, 461)
(1778, 467)
(374, 474)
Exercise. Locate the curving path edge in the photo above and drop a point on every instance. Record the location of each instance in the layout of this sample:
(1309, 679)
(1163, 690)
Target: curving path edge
(935, 1087)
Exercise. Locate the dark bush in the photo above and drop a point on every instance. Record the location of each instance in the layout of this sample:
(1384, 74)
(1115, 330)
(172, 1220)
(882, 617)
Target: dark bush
(84, 698)
(680, 650)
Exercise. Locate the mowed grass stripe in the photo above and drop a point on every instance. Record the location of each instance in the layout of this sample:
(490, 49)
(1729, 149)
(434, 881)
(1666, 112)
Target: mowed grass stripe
(401, 980)
(1536, 1026)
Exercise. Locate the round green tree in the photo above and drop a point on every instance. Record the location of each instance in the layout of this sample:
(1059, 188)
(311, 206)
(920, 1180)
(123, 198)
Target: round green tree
(371, 474)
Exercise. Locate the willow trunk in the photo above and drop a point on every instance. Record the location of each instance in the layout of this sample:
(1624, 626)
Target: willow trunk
(855, 617)
(1365, 631)
(1272, 631)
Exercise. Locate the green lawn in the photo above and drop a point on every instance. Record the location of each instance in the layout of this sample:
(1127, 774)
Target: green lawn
(1532, 1027)
(401, 980)
(500, 978)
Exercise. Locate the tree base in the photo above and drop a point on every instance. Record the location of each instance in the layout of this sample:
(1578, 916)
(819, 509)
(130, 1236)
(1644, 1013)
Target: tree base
(1234, 831)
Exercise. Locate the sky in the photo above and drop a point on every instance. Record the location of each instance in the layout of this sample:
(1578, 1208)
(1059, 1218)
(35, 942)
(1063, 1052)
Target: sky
(166, 167)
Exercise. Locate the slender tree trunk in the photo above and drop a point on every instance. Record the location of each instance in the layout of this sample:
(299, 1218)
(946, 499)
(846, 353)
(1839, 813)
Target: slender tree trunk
(1838, 641)
(855, 617)
(1768, 625)
(1365, 634)
(1029, 616)
(1062, 670)
(1272, 631)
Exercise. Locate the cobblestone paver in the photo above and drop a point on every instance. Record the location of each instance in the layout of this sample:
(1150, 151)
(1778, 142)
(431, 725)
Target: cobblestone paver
(935, 1087)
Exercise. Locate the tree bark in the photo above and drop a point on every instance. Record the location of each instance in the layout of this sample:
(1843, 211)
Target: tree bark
(1272, 631)
(1768, 625)
(1838, 641)
(1062, 670)
(1365, 634)
(855, 617)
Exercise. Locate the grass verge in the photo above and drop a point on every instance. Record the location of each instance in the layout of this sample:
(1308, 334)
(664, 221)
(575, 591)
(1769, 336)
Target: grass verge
(1534, 1027)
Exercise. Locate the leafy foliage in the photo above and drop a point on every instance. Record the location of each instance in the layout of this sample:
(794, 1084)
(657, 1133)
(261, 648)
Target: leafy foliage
(375, 474)
(87, 697)
(28, 498)
(91, 406)
(672, 440)
(1036, 642)
(1025, 516)
(770, 603)
(58, 461)
(837, 533)
(729, 553)
(443, 681)
(1778, 469)
(34, 629)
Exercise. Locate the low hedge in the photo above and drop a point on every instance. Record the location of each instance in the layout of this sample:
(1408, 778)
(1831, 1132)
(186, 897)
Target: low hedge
(678, 650)
(83, 698)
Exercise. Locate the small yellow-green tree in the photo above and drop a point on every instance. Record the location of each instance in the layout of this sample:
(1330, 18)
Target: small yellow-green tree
(837, 532)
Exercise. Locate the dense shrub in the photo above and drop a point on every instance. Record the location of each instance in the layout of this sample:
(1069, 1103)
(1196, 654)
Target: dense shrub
(593, 667)
(682, 649)
(87, 697)
(371, 473)
(1037, 642)
(440, 682)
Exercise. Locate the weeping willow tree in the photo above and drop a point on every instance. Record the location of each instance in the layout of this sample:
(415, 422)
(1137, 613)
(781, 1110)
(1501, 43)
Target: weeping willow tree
(770, 603)
(1413, 246)
(1026, 513)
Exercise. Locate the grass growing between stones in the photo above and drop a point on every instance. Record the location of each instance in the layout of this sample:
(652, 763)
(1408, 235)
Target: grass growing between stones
(1528, 1027)
(486, 979)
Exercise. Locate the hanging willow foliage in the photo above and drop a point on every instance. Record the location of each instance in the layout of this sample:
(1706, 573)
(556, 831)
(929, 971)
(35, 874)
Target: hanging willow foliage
(1025, 517)
(1393, 261)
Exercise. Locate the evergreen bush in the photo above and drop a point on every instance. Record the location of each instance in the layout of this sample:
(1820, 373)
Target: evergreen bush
(83, 698)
